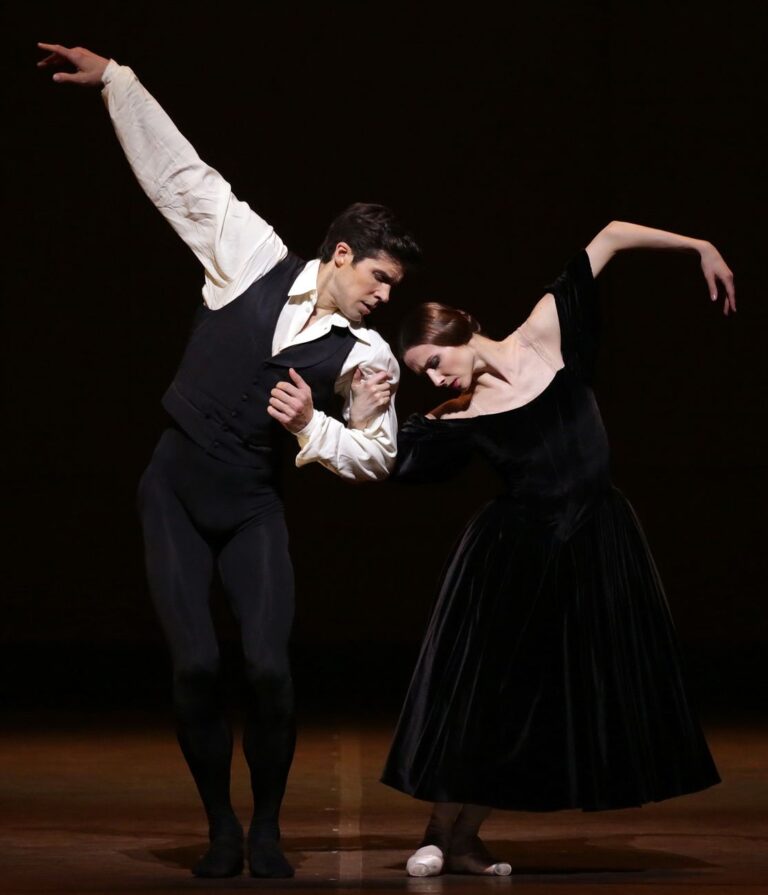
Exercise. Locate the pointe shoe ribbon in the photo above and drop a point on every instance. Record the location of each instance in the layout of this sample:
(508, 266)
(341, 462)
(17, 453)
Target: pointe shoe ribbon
(426, 861)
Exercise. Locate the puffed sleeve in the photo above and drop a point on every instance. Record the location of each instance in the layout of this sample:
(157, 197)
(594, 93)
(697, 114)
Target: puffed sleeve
(431, 450)
(578, 311)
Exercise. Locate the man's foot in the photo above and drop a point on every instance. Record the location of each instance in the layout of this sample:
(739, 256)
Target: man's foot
(473, 857)
(425, 861)
(266, 859)
(223, 858)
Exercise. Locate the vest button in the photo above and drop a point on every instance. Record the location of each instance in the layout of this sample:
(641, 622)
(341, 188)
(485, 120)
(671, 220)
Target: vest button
(243, 397)
(233, 413)
(225, 427)
(215, 444)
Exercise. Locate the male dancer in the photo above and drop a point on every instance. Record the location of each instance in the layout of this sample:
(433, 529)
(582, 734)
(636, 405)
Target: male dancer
(209, 493)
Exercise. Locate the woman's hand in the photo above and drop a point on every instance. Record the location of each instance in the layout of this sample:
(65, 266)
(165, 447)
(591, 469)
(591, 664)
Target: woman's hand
(370, 395)
(620, 235)
(89, 67)
(717, 271)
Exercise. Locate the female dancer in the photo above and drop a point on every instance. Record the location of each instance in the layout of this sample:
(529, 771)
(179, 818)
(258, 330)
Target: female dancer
(549, 677)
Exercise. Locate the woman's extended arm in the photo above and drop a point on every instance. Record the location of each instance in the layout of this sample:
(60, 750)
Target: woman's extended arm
(619, 236)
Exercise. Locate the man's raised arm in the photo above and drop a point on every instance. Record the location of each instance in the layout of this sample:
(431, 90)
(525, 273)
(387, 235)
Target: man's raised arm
(234, 245)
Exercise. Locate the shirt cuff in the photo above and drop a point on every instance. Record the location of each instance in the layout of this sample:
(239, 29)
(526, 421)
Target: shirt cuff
(304, 435)
(109, 72)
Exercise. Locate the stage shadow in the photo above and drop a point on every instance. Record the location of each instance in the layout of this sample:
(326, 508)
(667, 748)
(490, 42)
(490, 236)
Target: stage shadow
(593, 855)
(184, 857)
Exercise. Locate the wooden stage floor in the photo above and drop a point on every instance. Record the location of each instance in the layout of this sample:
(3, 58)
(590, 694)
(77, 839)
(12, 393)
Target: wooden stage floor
(106, 805)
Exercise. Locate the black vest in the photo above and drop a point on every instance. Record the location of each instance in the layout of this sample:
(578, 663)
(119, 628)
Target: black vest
(220, 393)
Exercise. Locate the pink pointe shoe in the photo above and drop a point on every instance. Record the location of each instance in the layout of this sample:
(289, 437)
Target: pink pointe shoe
(426, 861)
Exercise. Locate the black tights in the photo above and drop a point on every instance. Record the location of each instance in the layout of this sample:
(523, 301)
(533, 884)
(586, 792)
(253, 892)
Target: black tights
(197, 514)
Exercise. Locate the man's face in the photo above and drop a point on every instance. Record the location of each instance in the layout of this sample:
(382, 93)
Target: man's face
(359, 288)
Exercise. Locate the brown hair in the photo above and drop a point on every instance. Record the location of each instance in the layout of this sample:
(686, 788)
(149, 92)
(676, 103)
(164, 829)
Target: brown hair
(434, 324)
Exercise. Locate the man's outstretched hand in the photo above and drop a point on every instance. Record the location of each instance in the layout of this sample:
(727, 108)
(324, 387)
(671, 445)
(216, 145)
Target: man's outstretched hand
(88, 66)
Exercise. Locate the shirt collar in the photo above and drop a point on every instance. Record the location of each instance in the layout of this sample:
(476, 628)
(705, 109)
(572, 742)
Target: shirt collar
(304, 288)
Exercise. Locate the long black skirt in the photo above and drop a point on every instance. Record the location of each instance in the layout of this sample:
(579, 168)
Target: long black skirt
(550, 675)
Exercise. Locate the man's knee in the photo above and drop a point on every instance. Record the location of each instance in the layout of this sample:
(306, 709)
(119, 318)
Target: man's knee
(270, 684)
(196, 686)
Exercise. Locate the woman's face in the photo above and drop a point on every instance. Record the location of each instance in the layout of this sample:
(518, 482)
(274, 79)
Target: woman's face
(448, 366)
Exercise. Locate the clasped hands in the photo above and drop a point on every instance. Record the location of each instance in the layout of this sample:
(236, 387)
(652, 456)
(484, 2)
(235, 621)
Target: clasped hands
(290, 403)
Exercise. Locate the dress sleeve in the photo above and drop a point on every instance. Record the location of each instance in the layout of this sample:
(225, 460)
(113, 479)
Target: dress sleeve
(578, 312)
(430, 450)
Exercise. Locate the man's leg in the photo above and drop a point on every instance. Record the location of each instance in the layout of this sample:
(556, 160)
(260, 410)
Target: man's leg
(257, 574)
(179, 568)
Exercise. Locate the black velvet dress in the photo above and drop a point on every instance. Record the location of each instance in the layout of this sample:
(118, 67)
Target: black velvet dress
(550, 675)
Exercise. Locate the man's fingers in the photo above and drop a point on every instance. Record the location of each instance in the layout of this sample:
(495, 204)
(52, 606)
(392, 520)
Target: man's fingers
(283, 405)
(357, 376)
(288, 388)
(296, 378)
(276, 414)
(64, 77)
(54, 48)
(58, 50)
(53, 59)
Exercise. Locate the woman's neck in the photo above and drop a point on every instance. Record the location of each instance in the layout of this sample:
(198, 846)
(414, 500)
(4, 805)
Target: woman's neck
(489, 356)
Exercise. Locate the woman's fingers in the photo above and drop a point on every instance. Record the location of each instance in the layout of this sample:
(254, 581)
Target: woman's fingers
(718, 275)
(730, 292)
(711, 284)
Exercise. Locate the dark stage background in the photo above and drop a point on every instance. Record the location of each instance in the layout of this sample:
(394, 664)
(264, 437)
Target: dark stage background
(505, 140)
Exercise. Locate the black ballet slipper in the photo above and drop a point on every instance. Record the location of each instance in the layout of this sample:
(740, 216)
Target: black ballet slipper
(266, 859)
(223, 858)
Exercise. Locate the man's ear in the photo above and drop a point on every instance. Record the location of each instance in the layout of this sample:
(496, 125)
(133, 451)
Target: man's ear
(342, 254)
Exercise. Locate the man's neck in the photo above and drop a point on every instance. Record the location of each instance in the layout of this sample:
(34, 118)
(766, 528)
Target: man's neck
(325, 302)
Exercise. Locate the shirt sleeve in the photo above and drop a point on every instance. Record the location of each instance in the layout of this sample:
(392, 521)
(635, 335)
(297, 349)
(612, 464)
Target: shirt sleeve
(578, 311)
(234, 245)
(359, 455)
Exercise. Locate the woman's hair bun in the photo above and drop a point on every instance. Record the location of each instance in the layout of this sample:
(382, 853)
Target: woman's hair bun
(433, 323)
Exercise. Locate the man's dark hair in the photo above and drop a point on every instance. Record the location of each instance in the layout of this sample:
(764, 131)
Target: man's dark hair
(369, 230)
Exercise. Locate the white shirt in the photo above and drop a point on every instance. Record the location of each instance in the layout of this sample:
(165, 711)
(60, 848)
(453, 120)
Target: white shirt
(236, 247)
